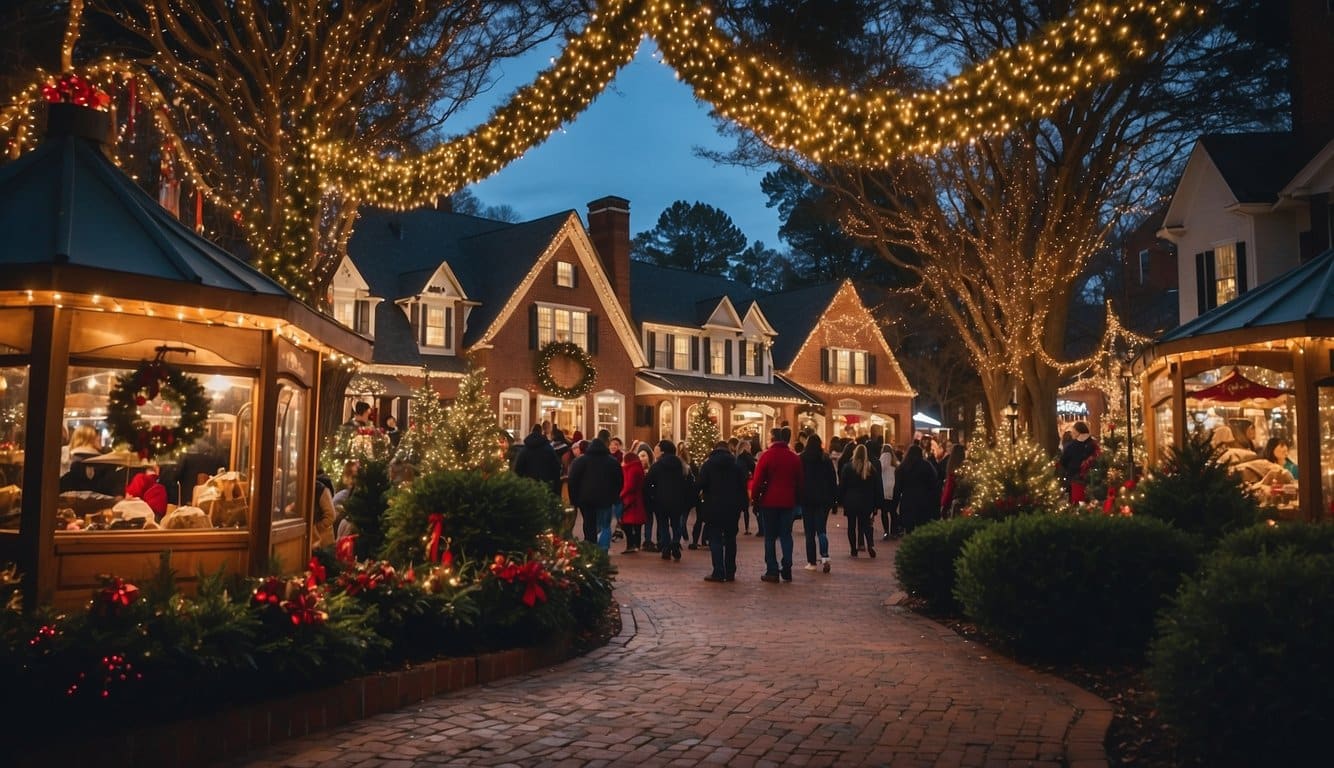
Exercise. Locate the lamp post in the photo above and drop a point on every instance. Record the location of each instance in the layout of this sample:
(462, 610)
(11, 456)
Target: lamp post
(1127, 377)
(1011, 413)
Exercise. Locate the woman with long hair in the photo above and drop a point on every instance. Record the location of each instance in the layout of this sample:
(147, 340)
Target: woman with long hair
(915, 487)
(889, 511)
(819, 493)
(861, 493)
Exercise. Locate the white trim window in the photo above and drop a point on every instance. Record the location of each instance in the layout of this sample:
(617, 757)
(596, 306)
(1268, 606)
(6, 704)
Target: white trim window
(1225, 273)
(565, 274)
(680, 352)
(433, 324)
(562, 324)
(846, 366)
(514, 412)
(608, 410)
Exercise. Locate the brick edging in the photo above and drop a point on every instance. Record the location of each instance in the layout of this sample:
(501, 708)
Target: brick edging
(234, 732)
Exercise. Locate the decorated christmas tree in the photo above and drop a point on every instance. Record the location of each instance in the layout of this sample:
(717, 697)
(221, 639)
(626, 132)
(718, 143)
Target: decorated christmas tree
(427, 422)
(701, 434)
(470, 438)
(1012, 478)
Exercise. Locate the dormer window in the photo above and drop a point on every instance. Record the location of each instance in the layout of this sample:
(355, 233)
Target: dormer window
(847, 366)
(433, 323)
(353, 313)
(565, 274)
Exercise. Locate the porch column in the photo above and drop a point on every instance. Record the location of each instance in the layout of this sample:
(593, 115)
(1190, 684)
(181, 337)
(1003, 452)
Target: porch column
(48, 375)
(1310, 486)
(1178, 404)
(266, 430)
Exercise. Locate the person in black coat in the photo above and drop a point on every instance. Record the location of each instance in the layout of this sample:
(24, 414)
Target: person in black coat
(746, 460)
(722, 485)
(915, 489)
(669, 492)
(819, 494)
(595, 488)
(862, 494)
(537, 460)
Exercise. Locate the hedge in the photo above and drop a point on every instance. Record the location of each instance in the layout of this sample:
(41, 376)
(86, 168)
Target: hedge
(925, 560)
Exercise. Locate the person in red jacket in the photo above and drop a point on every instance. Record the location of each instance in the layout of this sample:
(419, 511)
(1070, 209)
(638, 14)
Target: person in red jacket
(145, 486)
(775, 488)
(633, 512)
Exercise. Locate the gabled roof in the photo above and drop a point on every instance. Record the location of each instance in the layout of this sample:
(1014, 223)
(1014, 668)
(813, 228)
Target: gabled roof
(491, 265)
(65, 204)
(794, 314)
(1302, 299)
(680, 297)
(1256, 166)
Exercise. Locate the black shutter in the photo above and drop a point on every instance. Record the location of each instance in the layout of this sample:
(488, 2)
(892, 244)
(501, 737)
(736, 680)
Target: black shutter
(574, 276)
(694, 353)
(421, 323)
(592, 334)
(742, 355)
(708, 355)
(671, 352)
(1242, 286)
(1201, 287)
(449, 327)
(870, 368)
(759, 359)
(824, 364)
(532, 326)
(727, 356)
(652, 348)
(361, 322)
(1210, 279)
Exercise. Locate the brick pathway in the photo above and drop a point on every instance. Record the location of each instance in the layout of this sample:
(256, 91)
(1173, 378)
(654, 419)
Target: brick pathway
(821, 671)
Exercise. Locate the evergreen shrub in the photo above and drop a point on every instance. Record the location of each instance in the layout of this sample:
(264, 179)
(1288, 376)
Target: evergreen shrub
(924, 564)
(483, 516)
(1195, 492)
(1067, 586)
(1242, 662)
(1306, 538)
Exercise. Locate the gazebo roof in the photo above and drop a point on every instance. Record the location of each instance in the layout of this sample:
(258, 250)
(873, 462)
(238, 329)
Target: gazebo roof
(1299, 302)
(64, 203)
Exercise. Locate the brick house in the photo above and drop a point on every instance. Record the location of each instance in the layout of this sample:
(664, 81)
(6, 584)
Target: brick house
(449, 287)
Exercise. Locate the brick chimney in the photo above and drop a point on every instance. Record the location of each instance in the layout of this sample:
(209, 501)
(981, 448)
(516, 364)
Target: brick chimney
(609, 229)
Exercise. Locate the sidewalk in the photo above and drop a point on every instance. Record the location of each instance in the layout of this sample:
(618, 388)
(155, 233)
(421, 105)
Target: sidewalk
(821, 671)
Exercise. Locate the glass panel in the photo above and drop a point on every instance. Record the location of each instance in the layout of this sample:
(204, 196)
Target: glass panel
(562, 325)
(1162, 427)
(511, 415)
(345, 311)
(1225, 273)
(13, 416)
(579, 329)
(566, 414)
(1326, 408)
(859, 367)
(565, 274)
(290, 445)
(435, 326)
(717, 356)
(842, 366)
(609, 414)
(665, 429)
(546, 325)
(680, 353)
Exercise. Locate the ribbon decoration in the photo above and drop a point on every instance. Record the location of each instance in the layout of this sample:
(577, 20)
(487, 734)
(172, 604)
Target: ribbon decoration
(437, 521)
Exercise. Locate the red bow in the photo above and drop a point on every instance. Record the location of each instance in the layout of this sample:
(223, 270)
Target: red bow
(533, 576)
(346, 549)
(437, 521)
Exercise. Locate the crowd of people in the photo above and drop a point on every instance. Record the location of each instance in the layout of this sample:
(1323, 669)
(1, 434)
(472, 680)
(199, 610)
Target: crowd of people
(645, 493)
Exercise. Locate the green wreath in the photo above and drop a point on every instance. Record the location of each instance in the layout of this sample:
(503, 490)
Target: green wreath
(154, 378)
(576, 353)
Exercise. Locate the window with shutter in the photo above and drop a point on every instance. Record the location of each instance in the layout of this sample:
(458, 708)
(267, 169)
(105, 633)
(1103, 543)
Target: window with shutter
(745, 364)
(727, 357)
(870, 370)
(652, 350)
(1242, 281)
(592, 330)
(694, 353)
(824, 364)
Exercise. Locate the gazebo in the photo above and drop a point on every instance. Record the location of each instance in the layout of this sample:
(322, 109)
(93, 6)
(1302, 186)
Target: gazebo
(95, 279)
(1262, 363)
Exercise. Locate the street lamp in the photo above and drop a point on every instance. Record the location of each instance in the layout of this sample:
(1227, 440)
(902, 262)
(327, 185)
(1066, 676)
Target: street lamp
(1011, 413)
(1127, 377)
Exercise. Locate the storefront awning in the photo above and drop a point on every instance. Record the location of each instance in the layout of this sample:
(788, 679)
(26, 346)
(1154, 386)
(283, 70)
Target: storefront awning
(780, 390)
(1236, 388)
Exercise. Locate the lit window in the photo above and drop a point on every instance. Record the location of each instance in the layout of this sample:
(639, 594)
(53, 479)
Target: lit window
(751, 360)
(1225, 273)
(435, 326)
(848, 367)
(559, 324)
(680, 353)
(564, 274)
(717, 357)
(345, 311)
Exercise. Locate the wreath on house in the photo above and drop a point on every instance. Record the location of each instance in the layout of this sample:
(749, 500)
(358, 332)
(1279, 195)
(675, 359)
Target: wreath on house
(567, 349)
(179, 393)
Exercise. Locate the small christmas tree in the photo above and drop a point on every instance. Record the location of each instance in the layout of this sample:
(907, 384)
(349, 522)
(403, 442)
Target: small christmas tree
(426, 422)
(701, 434)
(1009, 479)
(471, 435)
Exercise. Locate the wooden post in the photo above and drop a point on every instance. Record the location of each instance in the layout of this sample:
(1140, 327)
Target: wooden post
(1309, 486)
(48, 376)
(1179, 420)
(266, 430)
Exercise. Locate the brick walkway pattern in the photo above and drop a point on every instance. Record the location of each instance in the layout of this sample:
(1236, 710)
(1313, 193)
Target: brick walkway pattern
(823, 671)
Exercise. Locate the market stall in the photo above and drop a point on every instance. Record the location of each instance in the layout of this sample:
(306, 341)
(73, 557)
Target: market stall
(1256, 373)
(120, 327)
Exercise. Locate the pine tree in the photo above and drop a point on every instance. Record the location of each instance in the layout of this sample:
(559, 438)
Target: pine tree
(470, 437)
(426, 424)
(701, 434)
(1009, 479)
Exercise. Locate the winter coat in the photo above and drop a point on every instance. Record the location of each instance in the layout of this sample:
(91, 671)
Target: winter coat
(860, 495)
(668, 487)
(633, 511)
(1074, 456)
(819, 489)
(746, 461)
(537, 460)
(915, 487)
(722, 487)
(595, 479)
(100, 478)
(778, 477)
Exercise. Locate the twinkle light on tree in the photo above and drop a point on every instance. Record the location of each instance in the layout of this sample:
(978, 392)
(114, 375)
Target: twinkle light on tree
(471, 437)
(425, 424)
(701, 434)
(1008, 479)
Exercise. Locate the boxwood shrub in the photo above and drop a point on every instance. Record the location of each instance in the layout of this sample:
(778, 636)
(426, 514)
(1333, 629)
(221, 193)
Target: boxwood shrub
(484, 515)
(1262, 539)
(1197, 493)
(925, 560)
(1242, 662)
(1068, 586)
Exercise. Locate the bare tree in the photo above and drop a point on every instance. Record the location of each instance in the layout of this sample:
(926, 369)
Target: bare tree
(246, 88)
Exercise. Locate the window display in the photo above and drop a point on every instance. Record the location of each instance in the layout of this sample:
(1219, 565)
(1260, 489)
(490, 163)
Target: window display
(13, 412)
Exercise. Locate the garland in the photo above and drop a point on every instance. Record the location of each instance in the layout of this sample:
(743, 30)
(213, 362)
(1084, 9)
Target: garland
(154, 378)
(576, 353)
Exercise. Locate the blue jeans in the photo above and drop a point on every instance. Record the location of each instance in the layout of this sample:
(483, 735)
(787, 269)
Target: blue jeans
(777, 528)
(603, 516)
(814, 522)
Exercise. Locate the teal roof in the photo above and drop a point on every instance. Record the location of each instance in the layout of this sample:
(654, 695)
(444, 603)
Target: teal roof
(66, 205)
(1301, 296)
